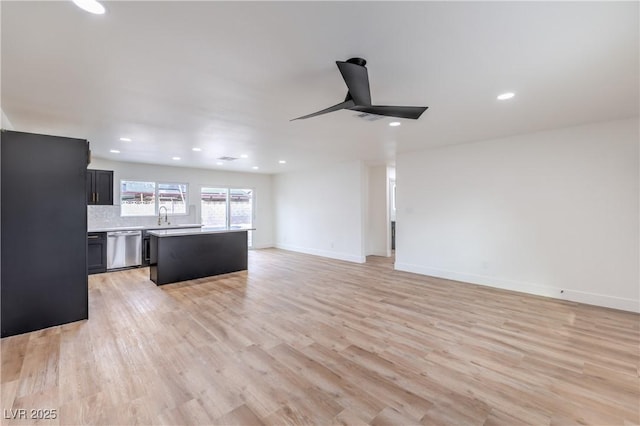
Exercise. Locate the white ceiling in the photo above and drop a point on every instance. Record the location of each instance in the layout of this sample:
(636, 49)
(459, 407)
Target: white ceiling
(228, 77)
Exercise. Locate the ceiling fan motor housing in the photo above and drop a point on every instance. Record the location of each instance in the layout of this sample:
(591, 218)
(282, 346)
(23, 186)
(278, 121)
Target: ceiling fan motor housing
(357, 61)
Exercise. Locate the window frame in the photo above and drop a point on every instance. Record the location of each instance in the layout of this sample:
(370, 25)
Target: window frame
(186, 198)
(156, 198)
(253, 204)
(226, 208)
(228, 204)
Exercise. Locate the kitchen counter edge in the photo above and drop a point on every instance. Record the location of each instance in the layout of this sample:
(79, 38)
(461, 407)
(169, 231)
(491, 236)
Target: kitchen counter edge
(145, 228)
(191, 231)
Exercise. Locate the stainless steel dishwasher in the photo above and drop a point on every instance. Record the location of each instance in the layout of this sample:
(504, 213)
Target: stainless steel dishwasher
(124, 249)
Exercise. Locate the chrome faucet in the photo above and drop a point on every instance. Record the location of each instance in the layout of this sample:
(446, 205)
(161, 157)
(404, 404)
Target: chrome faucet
(166, 215)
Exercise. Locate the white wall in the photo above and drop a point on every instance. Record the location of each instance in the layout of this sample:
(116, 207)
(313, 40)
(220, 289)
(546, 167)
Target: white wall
(261, 183)
(4, 121)
(540, 213)
(377, 237)
(322, 212)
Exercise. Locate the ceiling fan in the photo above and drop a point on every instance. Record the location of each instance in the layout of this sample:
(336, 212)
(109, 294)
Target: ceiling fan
(358, 97)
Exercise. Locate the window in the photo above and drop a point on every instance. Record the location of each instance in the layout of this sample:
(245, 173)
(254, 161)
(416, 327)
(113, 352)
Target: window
(137, 198)
(240, 208)
(227, 208)
(213, 203)
(145, 198)
(173, 196)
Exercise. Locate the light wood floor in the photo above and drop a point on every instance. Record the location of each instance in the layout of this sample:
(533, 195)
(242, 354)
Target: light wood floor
(304, 340)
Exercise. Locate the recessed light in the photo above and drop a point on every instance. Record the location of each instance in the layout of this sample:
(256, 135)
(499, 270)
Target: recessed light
(255, 167)
(125, 139)
(114, 151)
(219, 163)
(91, 6)
(282, 162)
(244, 156)
(394, 123)
(505, 96)
(196, 149)
(175, 158)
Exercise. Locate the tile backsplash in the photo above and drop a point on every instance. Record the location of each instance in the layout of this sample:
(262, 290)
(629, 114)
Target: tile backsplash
(109, 217)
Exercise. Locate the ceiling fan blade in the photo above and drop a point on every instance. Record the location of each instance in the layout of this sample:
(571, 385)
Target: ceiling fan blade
(357, 79)
(337, 107)
(392, 111)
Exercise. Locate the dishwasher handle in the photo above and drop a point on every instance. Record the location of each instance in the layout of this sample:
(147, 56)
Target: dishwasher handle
(121, 233)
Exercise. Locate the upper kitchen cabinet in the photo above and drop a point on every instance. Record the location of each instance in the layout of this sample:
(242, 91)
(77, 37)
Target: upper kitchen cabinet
(100, 187)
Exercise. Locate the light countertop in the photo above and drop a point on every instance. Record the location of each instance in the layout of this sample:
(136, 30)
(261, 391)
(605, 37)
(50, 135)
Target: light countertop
(135, 228)
(194, 231)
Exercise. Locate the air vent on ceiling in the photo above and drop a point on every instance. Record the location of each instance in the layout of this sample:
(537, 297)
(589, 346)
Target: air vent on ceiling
(369, 117)
(228, 158)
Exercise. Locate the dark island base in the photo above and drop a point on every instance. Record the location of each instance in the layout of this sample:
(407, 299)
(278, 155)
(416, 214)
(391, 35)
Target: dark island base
(187, 257)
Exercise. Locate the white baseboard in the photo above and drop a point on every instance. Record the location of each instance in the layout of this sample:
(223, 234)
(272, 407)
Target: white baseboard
(262, 246)
(524, 287)
(324, 253)
(379, 253)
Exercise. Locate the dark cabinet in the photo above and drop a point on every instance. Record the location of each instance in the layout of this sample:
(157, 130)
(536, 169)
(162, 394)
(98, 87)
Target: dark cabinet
(189, 256)
(146, 249)
(100, 187)
(43, 231)
(96, 252)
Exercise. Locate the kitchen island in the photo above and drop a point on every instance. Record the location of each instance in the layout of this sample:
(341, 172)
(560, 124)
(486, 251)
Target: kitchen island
(186, 254)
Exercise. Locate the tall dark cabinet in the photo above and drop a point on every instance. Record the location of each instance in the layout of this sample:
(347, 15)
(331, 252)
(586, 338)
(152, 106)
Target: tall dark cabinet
(44, 231)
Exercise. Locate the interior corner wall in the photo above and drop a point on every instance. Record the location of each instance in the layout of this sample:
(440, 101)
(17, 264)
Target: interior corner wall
(378, 224)
(196, 178)
(553, 213)
(4, 121)
(322, 212)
